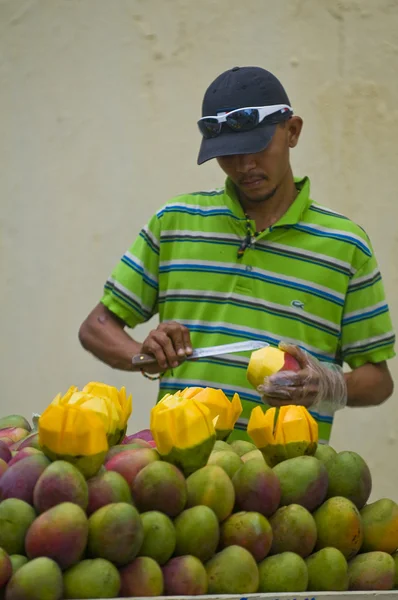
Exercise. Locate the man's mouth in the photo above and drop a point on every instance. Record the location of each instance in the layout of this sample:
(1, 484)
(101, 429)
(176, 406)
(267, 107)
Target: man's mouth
(252, 182)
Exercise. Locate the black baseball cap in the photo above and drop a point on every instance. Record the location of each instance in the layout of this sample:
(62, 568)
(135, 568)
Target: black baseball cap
(241, 87)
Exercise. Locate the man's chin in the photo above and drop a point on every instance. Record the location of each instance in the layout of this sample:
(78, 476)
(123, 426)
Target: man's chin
(259, 196)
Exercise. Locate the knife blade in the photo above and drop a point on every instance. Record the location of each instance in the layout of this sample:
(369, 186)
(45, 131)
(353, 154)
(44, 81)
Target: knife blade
(148, 359)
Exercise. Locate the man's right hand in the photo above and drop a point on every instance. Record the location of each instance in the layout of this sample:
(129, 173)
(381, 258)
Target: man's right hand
(169, 343)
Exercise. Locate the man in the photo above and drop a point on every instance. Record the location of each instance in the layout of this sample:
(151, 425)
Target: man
(257, 259)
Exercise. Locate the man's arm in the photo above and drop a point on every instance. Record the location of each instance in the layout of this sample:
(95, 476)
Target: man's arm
(369, 385)
(102, 334)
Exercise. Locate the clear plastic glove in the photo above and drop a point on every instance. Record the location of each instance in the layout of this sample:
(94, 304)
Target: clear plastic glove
(315, 384)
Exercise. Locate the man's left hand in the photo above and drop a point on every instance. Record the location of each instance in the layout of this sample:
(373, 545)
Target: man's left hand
(313, 384)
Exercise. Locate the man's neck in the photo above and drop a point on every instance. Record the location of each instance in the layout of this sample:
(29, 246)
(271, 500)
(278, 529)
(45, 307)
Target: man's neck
(268, 212)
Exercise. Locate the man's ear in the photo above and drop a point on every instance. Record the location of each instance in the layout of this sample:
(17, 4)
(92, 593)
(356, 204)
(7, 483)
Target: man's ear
(295, 125)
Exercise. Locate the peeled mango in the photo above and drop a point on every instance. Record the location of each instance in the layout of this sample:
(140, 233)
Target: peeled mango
(267, 361)
(74, 435)
(183, 431)
(283, 433)
(225, 411)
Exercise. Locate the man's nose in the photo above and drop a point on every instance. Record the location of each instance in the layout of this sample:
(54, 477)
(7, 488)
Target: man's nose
(245, 162)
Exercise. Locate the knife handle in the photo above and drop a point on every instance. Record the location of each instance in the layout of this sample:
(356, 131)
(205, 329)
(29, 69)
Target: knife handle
(143, 359)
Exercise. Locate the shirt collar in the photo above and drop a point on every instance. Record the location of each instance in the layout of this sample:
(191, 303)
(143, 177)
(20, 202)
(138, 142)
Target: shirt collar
(293, 214)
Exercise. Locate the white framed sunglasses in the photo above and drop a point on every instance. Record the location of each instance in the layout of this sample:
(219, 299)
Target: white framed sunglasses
(243, 119)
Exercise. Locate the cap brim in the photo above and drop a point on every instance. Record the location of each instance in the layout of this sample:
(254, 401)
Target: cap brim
(227, 144)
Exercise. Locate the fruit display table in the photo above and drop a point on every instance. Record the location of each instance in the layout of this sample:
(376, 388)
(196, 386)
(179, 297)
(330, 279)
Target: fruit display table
(302, 596)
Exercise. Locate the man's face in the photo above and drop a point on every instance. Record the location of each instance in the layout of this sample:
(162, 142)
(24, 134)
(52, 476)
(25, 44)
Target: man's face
(258, 176)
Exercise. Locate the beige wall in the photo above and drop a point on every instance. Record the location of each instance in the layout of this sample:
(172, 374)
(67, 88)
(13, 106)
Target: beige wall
(98, 103)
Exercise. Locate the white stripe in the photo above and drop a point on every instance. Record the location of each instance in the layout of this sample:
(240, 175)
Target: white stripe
(375, 338)
(129, 294)
(363, 311)
(149, 233)
(139, 262)
(326, 230)
(256, 301)
(328, 210)
(253, 332)
(319, 256)
(242, 269)
(205, 234)
(364, 278)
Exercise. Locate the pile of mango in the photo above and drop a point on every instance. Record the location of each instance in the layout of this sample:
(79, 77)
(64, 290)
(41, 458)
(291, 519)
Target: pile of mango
(87, 511)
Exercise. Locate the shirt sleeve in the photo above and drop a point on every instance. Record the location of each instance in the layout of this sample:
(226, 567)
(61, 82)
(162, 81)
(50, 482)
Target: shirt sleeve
(367, 332)
(131, 292)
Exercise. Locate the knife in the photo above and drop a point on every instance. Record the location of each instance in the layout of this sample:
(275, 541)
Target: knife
(148, 359)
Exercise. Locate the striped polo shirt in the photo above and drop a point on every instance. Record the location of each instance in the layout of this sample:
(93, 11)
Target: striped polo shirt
(311, 279)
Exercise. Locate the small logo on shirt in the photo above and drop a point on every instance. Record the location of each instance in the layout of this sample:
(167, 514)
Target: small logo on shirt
(297, 304)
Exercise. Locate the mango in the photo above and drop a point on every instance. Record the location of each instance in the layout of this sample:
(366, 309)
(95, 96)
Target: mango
(211, 486)
(327, 571)
(220, 445)
(17, 561)
(232, 571)
(24, 453)
(115, 533)
(5, 568)
(16, 516)
(20, 479)
(229, 461)
(106, 488)
(14, 421)
(395, 557)
(5, 452)
(257, 488)
(160, 486)
(130, 462)
(282, 433)
(326, 454)
(286, 572)
(31, 441)
(60, 482)
(184, 576)
(60, 533)
(197, 532)
(293, 530)
(140, 578)
(242, 447)
(159, 537)
(123, 447)
(183, 430)
(251, 530)
(3, 466)
(253, 454)
(380, 526)
(371, 571)
(143, 437)
(304, 481)
(92, 578)
(267, 361)
(15, 434)
(339, 525)
(38, 579)
(349, 476)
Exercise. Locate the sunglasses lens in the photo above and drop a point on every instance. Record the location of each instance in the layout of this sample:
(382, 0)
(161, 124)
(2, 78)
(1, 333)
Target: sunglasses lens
(243, 120)
(209, 128)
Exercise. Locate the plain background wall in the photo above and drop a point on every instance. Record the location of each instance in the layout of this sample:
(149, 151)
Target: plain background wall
(98, 107)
